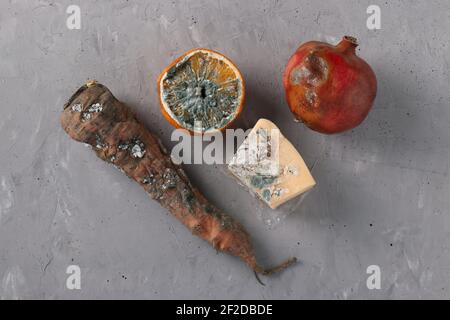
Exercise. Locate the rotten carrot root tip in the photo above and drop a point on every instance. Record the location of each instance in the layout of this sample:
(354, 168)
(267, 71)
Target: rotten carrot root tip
(258, 279)
(279, 268)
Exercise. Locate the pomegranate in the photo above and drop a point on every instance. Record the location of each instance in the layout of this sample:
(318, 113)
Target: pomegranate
(329, 88)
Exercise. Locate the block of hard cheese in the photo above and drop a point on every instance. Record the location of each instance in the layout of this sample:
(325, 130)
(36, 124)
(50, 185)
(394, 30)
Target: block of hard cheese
(269, 165)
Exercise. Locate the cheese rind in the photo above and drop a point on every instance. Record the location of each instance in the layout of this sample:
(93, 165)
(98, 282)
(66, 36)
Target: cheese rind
(270, 166)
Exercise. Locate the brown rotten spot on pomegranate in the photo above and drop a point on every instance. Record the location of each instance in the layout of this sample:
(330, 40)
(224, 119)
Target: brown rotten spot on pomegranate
(329, 88)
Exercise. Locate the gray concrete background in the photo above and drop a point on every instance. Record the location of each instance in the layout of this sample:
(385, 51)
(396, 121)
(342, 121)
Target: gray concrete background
(383, 189)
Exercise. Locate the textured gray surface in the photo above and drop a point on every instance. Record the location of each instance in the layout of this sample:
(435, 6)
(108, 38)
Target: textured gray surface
(383, 189)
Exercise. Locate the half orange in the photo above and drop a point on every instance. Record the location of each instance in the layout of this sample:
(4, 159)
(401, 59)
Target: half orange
(201, 91)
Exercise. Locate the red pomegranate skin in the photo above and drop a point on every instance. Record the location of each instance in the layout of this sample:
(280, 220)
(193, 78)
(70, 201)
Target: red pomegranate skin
(329, 88)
